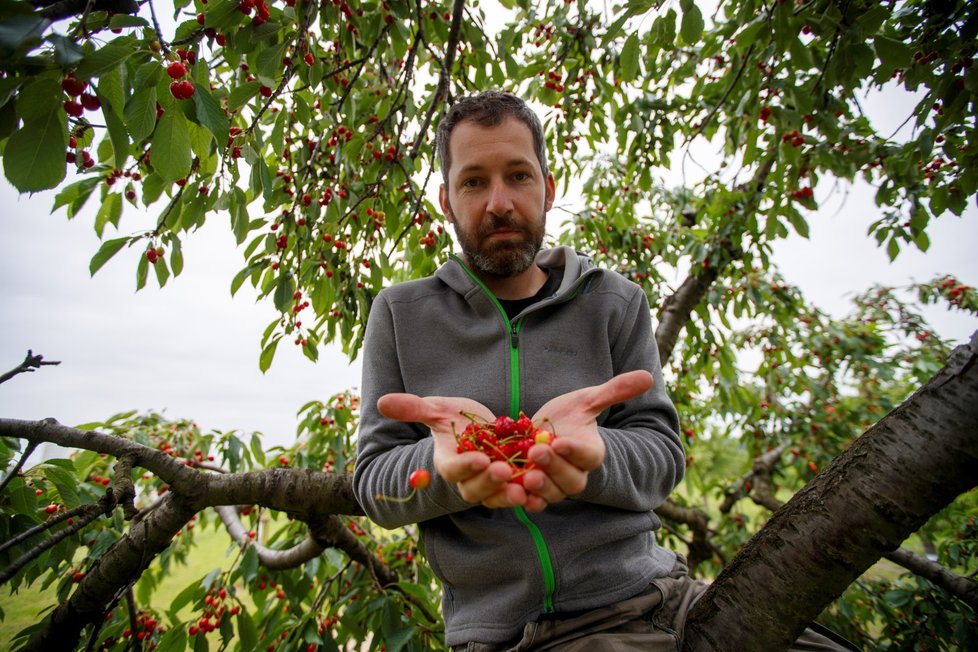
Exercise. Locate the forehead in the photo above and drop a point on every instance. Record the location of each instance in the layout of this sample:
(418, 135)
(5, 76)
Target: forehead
(474, 145)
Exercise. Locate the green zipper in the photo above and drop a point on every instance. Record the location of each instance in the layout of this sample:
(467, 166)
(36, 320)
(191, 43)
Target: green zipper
(543, 554)
(549, 579)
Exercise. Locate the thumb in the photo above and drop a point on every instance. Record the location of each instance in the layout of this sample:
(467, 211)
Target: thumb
(404, 407)
(617, 389)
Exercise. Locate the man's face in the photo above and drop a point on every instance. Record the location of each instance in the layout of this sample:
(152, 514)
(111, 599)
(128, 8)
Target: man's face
(496, 197)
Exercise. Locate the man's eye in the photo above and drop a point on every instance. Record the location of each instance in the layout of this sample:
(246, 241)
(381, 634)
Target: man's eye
(470, 183)
(521, 176)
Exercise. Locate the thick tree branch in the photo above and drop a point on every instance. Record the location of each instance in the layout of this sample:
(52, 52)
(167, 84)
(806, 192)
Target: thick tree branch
(183, 479)
(268, 557)
(700, 548)
(112, 575)
(898, 489)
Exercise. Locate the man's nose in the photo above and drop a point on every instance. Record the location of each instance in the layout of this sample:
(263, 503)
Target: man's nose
(500, 198)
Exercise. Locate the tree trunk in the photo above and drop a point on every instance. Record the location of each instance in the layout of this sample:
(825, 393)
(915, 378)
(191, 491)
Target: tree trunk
(902, 471)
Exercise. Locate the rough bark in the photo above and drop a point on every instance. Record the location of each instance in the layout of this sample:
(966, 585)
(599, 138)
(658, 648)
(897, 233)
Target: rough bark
(903, 470)
(108, 580)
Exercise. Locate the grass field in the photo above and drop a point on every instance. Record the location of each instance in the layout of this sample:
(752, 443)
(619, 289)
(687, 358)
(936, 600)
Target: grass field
(29, 604)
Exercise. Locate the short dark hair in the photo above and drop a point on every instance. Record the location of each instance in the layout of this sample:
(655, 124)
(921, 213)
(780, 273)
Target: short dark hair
(488, 109)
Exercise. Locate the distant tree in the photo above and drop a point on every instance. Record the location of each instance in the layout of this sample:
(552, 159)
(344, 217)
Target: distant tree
(306, 128)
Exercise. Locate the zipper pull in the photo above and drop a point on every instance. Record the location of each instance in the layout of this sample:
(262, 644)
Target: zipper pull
(514, 337)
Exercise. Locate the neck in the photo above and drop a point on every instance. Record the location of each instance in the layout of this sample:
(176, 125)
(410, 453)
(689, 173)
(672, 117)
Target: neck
(523, 285)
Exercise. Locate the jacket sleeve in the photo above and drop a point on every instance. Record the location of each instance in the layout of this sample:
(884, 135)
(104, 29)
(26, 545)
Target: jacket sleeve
(644, 459)
(388, 451)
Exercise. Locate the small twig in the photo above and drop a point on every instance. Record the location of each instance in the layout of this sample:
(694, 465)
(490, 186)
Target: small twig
(14, 472)
(159, 32)
(709, 118)
(446, 72)
(85, 511)
(30, 363)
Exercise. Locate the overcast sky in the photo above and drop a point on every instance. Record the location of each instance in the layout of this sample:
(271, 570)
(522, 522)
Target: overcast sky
(192, 350)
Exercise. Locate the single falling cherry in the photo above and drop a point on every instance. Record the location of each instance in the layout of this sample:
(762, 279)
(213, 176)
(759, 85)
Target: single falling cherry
(419, 479)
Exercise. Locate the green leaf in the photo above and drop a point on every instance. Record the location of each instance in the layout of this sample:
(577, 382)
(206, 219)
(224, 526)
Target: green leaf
(183, 598)
(39, 99)
(176, 256)
(34, 156)
(614, 29)
(142, 271)
(162, 271)
(284, 291)
(691, 28)
(629, 57)
(107, 57)
(174, 640)
(170, 154)
(109, 212)
(799, 222)
(240, 95)
(119, 136)
(20, 30)
(67, 52)
(269, 62)
(893, 54)
(247, 631)
(140, 114)
(108, 249)
(119, 21)
(74, 195)
(66, 484)
(210, 114)
(893, 249)
(267, 354)
(112, 91)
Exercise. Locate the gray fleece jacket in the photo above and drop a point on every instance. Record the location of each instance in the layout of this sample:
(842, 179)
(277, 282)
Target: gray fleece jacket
(446, 335)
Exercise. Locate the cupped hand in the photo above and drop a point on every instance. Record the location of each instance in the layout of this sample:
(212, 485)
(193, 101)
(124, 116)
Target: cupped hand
(562, 467)
(479, 479)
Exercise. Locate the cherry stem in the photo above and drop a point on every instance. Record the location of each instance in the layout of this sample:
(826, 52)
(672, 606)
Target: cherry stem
(392, 499)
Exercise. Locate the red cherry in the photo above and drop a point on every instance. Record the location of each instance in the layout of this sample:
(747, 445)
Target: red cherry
(73, 87)
(152, 256)
(182, 90)
(419, 479)
(176, 70)
(90, 102)
(73, 108)
(504, 426)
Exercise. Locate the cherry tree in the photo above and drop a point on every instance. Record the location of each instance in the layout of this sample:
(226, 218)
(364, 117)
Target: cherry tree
(817, 444)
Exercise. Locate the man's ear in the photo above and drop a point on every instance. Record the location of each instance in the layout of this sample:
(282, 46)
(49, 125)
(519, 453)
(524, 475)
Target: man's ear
(446, 207)
(550, 194)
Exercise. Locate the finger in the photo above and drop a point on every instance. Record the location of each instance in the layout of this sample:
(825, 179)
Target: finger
(538, 484)
(480, 486)
(461, 467)
(509, 495)
(616, 390)
(405, 407)
(566, 467)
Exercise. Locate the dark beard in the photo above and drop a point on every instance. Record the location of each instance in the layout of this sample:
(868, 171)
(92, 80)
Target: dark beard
(501, 259)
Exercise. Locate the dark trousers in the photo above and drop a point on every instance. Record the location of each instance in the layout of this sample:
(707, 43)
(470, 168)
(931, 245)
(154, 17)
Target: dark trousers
(652, 621)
